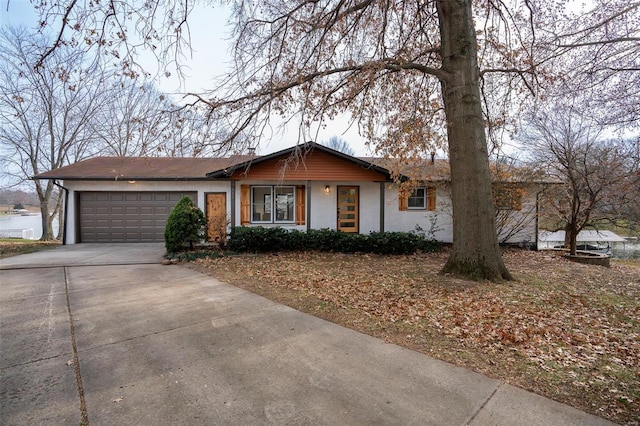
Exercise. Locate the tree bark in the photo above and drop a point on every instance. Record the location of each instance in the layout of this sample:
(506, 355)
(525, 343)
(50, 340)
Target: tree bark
(47, 231)
(60, 216)
(573, 242)
(476, 253)
(44, 195)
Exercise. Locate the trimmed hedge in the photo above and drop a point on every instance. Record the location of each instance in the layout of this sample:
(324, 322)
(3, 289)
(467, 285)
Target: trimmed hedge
(260, 239)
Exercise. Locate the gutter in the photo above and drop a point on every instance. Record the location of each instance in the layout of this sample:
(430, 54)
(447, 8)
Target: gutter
(66, 205)
(537, 242)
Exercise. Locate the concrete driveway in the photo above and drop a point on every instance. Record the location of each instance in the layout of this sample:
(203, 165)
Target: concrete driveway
(104, 334)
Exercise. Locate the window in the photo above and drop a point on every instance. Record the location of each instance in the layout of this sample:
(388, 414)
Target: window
(261, 204)
(273, 204)
(285, 202)
(507, 197)
(417, 199)
(421, 198)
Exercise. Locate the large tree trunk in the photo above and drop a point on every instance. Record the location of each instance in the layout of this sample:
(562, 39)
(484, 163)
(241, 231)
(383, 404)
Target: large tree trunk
(571, 237)
(476, 253)
(60, 217)
(44, 195)
(567, 237)
(47, 230)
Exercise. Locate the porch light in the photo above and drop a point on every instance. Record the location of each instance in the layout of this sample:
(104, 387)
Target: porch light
(327, 189)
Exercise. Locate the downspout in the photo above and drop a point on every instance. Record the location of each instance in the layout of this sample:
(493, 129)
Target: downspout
(538, 218)
(66, 205)
(382, 206)
(308, 201)
(232, 190)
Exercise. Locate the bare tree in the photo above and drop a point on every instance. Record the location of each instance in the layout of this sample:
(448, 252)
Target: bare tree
(139, 120)
(188, 133)
(44, 113)
(598, 173)
(339, 144)
(630, 212)
(592, 55)
(133, 121)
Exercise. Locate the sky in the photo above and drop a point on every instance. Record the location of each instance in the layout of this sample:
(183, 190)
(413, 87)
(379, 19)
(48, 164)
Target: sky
(210, 58)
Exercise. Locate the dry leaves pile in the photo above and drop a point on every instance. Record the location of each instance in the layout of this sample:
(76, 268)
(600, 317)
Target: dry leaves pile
(568, 331)
(12, 248)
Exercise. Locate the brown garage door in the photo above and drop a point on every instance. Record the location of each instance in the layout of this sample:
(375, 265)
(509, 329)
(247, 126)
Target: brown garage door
(123, 217)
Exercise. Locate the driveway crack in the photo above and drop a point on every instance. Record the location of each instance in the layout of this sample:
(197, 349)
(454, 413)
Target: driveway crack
(76, 362)
(484, 404)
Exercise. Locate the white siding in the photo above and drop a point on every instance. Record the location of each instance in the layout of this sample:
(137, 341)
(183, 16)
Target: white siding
(324, 207)
(369, 207)
(441, 219)
(408, 220)
(519, 227)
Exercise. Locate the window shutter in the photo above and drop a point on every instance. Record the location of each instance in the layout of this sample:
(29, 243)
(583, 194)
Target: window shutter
(245, 204)
(431, 198)
(517, 200)
(301, 200)
(403, 201)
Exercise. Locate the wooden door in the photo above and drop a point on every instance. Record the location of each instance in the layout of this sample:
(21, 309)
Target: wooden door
(216, 216)
(348, 208)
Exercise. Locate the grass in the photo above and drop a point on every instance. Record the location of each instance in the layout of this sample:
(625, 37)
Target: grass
(16, 246)
(567, 331)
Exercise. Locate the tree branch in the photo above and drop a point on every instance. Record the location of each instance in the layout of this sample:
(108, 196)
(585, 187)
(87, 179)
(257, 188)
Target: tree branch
(58, 40)
(273, 92)
(599, 42)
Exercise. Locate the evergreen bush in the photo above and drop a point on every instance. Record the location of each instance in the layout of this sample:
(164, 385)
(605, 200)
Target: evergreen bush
(261, 239)
(186, 224)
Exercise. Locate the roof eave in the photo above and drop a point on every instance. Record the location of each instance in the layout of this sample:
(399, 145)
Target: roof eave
(119, 178)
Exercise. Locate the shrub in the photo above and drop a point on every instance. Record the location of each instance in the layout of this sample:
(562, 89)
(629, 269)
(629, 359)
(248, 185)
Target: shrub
(321, 239)
(297, 240)
(431, 246)
(261, 239)
(257, 239)
(185, 225)
(394, 242)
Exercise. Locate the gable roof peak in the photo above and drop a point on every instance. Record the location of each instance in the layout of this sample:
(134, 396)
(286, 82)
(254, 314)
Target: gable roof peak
(298, 151)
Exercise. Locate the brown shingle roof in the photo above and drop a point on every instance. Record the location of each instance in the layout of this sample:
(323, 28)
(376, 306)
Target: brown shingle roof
(142, 168)
(421, 170)
(189, 168)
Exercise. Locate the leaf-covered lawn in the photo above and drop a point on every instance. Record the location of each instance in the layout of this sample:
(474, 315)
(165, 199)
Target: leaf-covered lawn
(15, 246)
(568, 331)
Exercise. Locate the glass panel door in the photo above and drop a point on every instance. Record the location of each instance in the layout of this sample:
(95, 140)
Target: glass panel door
(348, 209)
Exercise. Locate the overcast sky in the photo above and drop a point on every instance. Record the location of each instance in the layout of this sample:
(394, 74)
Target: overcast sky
(209, 58)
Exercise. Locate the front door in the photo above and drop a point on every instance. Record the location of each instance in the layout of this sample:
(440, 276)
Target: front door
(217, 216)
(348, 209)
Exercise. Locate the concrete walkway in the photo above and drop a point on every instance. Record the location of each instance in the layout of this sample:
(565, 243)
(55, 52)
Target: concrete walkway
(107, 335)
